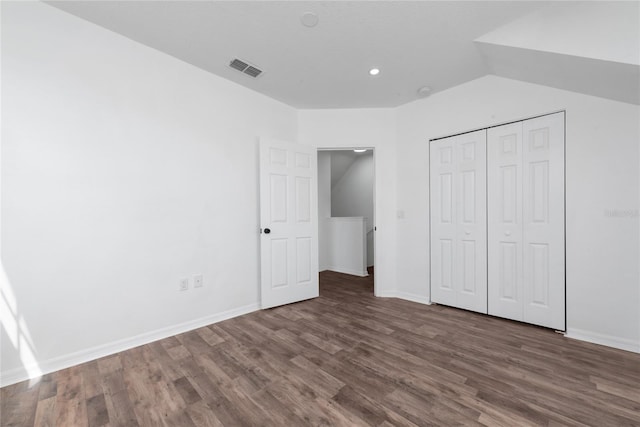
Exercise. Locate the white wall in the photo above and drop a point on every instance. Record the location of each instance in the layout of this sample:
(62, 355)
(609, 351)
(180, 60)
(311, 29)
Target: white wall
(375, 128)
(347, 249)
(324, 208)
(352, 195)
(602, 144)
(123, 170)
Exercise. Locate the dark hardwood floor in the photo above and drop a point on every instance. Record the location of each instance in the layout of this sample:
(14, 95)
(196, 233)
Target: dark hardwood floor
(345, 358)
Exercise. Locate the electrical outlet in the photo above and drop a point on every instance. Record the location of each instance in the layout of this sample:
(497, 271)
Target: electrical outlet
(198, 281)
(184, 284)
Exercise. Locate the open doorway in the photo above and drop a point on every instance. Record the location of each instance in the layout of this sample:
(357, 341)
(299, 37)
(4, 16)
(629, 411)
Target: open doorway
(346, 223)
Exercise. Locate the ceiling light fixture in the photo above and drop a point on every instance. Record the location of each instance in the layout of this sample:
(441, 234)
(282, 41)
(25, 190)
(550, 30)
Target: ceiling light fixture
(374, 71)
(359, 150)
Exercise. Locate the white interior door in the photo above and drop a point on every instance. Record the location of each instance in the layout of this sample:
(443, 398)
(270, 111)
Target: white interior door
(289, 222)
(526, 221)
(543, 216)
(505, 226)
(458, 221)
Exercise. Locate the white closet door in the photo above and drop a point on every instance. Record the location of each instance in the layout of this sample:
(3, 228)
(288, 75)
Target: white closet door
(505, 226)
(471, 241)
(443, 178)
(458, 221)
(525, 169)
(543, 216)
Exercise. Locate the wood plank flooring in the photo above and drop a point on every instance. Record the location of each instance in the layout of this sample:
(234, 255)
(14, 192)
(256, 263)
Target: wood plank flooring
(343, 359)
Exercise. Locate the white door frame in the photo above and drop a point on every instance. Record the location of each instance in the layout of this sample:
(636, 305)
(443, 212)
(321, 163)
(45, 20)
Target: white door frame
(375, 202)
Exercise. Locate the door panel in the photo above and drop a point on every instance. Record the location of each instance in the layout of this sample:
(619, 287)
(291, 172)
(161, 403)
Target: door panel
(469, 266)
(288, 199)
(538, 194)
(279, 258)
(446, 264)
(504, 196)
(508, 282)
(508, 199)
(303, 199)
(543, 208)
(469, 211)
(442, 222)
(303, 258)
(471, 227)
(539, 272)
(458, 221)
(525, 162)
(278, 202)
(446, 198)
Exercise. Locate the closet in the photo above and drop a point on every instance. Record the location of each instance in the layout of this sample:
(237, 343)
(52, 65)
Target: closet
(497, 221)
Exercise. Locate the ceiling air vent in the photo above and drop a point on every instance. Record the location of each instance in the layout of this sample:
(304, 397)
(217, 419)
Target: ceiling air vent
(242, 66)
(252, 71)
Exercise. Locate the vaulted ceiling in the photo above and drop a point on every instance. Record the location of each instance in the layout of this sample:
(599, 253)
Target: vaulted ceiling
(439, 44)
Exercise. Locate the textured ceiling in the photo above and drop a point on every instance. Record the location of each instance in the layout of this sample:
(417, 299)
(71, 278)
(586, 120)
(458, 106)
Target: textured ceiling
(588, 47)
(413, 43)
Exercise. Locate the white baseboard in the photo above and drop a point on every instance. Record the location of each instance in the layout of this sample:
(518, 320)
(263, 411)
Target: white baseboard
(413, 297)
(62, 362)
(602, 339)
(387, 294)
(348, 271)
(405, 296)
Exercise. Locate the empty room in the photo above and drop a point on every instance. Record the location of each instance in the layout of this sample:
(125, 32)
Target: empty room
(337, 213)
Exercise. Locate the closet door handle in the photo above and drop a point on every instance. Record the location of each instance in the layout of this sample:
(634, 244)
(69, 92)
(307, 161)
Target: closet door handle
(467, 232)
(507, 233)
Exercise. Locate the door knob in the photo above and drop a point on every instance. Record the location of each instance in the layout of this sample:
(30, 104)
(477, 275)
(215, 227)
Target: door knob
(267, 231)
(467, 232)
(507, 233)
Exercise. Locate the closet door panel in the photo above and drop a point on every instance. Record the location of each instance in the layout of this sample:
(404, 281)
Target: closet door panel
(543, 215)
(505, 226)
(458, 221)
(471, 227)
(443, 177)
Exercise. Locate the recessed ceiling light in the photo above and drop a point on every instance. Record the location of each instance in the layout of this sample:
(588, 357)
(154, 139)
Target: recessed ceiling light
(309, 19)
(359, 150)
(374, 71)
